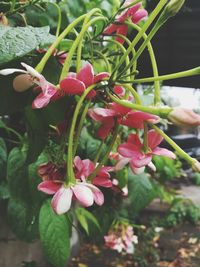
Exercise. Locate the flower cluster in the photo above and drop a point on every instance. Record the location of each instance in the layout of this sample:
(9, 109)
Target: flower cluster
(82, 190)
(121, 238)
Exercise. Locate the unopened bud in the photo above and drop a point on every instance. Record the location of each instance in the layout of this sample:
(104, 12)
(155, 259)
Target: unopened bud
(22, 82)
(184, 117)
(173, 7)
(196, 166)
(3, 19)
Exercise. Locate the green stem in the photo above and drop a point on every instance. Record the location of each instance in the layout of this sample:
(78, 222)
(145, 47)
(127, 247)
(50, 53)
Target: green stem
(187, 73)
(105, 157)
(157, 97)
(159, 111)
(145, 139)
(51, 49)
(80, 126)
(151, 18)
(105, 60)
(59, 18)
(133, 92)
(70, 172)
(66, 65)
(98, 153)
(179, 150)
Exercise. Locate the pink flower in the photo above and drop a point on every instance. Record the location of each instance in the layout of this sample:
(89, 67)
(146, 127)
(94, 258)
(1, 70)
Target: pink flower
(86, 194)
(124, 116)
(136, 13)
(75, 84)
(133, 153)
(121, 239)
(52, 172)
(184, 117)
(83, 168)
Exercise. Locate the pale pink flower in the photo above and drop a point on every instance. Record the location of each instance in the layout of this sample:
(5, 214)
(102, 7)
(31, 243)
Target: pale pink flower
(184, 117)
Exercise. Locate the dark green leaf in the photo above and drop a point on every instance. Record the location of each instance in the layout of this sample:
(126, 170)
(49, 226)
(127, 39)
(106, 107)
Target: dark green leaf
(3, 159)
(16, 42)
(21, 220)
(54, 234)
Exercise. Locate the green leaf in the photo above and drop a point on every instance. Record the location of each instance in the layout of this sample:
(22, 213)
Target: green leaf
(54, 235)
(16, 42)
(141, 192)
(86, 218)
(4, 192)
(21, 220)
(3, 158)
(17, 174)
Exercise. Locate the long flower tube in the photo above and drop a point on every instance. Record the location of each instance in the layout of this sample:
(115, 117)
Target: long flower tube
(51, 49)
(147, 24)
(66, 65)
(162, 112)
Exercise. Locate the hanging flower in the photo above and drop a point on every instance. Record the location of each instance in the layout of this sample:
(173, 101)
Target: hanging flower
(184, 117)
(133, 151)
(75, 84)
(135, 13)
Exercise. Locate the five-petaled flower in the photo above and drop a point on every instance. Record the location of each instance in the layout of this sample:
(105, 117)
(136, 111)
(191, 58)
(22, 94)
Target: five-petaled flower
(135, 13)
(133, 152)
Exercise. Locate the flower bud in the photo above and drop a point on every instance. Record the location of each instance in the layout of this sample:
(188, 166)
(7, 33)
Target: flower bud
(173, 7)
(196, 166)
(22, 82)
(3, 19)
(184, 117)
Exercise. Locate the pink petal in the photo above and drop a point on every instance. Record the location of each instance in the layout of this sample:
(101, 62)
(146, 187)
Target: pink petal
(72, 86)
(122, 30)
(104, 112)
(163, 152)
(128, 150)
(105, 128)
(49, 187)
(132, 10)
(42, 100)
(97, 194)
(121, 163)
(154, 139)
(99, 77)
(119, 109)
(88, 167)
(102, 181)
(110, 29)
(119, 90)
(61, 202)
(134, 139)
(94, 116)
(141, 160)
(71, 75)
(83, 194)
(91, 94)
(137, 170)
(139, 15)
(78, 163)
(86, 75)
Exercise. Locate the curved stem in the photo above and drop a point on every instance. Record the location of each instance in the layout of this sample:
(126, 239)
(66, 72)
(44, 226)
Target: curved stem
(49, 52)
(105, 60)
(80, 126)
(157, 98)
(133, 92)
(70, 172)
(151, 18)
(179, 150)
(103, 161)
(187, 73)
(98, 153)
(59, 18)
(159, 111)
(66, 65)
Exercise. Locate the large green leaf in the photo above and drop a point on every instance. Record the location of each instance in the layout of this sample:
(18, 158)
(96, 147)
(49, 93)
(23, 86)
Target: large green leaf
(17, 174)
(21, 220)
(16, 42)
(55, 235)
(141, 192)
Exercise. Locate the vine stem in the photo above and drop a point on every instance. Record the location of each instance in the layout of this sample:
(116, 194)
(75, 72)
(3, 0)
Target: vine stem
(66, 65)
(179, 150)
(70, 172)
(149, 21)
(159, 111)
(59, 18)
